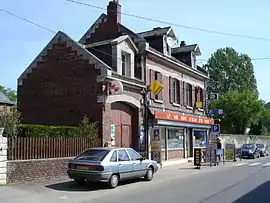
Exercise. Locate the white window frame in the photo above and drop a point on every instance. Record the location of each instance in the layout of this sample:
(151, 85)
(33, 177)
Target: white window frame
(127, 64)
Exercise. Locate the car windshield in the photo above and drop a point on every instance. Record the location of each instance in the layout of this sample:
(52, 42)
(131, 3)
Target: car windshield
(93, 155)
(248, 146)
(260, 146)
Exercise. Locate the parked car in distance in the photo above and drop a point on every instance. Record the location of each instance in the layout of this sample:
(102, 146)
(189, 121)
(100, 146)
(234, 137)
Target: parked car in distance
(110, 165)
(263, 149)
(250, 151)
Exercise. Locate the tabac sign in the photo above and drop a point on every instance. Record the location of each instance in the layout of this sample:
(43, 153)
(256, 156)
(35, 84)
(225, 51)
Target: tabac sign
(155, 87)
(163, 115)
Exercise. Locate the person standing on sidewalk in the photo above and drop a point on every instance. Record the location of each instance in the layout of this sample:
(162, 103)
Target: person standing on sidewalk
(219, 149)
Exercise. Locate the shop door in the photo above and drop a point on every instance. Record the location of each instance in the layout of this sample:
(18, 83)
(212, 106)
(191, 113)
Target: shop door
(189, 143)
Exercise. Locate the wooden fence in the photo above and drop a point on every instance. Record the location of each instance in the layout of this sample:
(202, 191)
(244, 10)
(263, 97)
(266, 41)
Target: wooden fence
(21, 148)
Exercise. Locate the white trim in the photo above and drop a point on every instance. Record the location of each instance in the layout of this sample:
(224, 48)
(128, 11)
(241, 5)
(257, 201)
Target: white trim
(158, 101)
(177, 64)
(124, 38)
(113, 42)
(123, 98)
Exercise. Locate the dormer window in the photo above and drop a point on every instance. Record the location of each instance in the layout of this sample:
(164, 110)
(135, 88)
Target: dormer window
(123, 56)
(126, 66)
(193, 60)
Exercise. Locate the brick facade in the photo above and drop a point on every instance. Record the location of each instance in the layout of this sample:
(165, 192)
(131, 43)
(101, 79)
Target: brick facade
(60, 90)
(167, 72)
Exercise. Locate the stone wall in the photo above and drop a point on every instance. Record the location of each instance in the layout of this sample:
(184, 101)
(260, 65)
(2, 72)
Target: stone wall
(21, 171)
(3, 158)
(239, 140)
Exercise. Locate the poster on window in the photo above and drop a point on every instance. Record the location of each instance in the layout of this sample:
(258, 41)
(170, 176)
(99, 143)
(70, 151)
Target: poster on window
(200, 138)
(155, 137)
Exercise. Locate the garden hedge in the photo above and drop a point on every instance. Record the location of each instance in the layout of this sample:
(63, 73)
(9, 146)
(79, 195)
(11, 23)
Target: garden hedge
(29, 130)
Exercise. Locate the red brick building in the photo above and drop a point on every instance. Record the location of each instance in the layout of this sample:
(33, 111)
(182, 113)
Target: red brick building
(69, 79)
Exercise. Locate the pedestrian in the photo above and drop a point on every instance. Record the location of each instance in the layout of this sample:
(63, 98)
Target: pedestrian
(219, 149)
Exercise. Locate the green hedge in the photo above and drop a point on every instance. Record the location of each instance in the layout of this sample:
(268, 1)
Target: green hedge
(28, 130)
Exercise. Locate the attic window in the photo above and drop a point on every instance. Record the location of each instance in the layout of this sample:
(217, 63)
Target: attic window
(193, 60)
(126, 66)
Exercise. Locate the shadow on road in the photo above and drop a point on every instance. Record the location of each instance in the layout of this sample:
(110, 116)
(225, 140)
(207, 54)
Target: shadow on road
(72, 186)
(259, 195)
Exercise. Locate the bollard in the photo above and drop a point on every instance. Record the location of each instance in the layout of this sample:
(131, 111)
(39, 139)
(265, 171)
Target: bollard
(234, 157)
(210, 158)
(223, 155)
(216, 162)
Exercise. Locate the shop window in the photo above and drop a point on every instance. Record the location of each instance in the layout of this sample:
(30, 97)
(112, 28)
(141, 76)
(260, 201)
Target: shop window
(163, 141)
(175, 139)
(200, 138)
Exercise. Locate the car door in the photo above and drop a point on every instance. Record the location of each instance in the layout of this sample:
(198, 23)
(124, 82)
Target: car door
(139, 169)
(125, 166)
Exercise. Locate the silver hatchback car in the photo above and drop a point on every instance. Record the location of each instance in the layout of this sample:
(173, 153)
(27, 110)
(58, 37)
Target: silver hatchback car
(110, 165)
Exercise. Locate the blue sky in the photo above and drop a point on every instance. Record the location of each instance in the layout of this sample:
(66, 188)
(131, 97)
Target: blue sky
(21, 42)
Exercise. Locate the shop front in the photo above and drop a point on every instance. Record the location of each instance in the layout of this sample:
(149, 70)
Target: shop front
(181, 133)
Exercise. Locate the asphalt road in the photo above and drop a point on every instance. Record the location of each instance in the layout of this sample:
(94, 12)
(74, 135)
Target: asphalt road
(240, 182)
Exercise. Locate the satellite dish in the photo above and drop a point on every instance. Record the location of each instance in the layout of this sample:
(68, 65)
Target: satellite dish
(170, 42)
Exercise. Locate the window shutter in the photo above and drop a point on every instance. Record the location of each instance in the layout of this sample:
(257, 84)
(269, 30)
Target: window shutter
(160, 95)
(171, 89)
(181, 88)
(152, 79)
(204, 98)
(184, 93)
(193, 96)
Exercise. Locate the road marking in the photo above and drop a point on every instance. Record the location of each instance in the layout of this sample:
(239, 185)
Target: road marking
(266, 164)
(241, 164)
(255, 164)
(64, 197)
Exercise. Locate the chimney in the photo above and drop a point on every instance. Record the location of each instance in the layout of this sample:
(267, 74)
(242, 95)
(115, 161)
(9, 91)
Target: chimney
(183, 43)
(114, 11)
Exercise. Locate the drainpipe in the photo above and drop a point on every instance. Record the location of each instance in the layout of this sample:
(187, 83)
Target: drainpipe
(142, 45)
(146, 115)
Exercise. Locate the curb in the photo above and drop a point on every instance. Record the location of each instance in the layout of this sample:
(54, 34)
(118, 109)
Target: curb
(172, 163)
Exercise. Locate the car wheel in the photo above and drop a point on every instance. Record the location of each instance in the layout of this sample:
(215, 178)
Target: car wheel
(113, 182)
(80, 181)
(149, 174)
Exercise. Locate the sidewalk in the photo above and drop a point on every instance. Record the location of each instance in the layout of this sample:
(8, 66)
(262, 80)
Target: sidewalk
(175, 162)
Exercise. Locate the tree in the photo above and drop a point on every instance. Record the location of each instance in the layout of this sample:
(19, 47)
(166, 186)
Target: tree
(11, 94)
(262, 126)
(10, 119)
(241, 109)
(88, 129)
(230, 71)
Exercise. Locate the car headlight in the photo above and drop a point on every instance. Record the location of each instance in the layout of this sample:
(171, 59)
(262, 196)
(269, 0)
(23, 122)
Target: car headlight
(250, 151)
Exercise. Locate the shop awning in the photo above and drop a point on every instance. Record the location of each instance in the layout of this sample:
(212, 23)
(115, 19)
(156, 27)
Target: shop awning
(181, 124)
